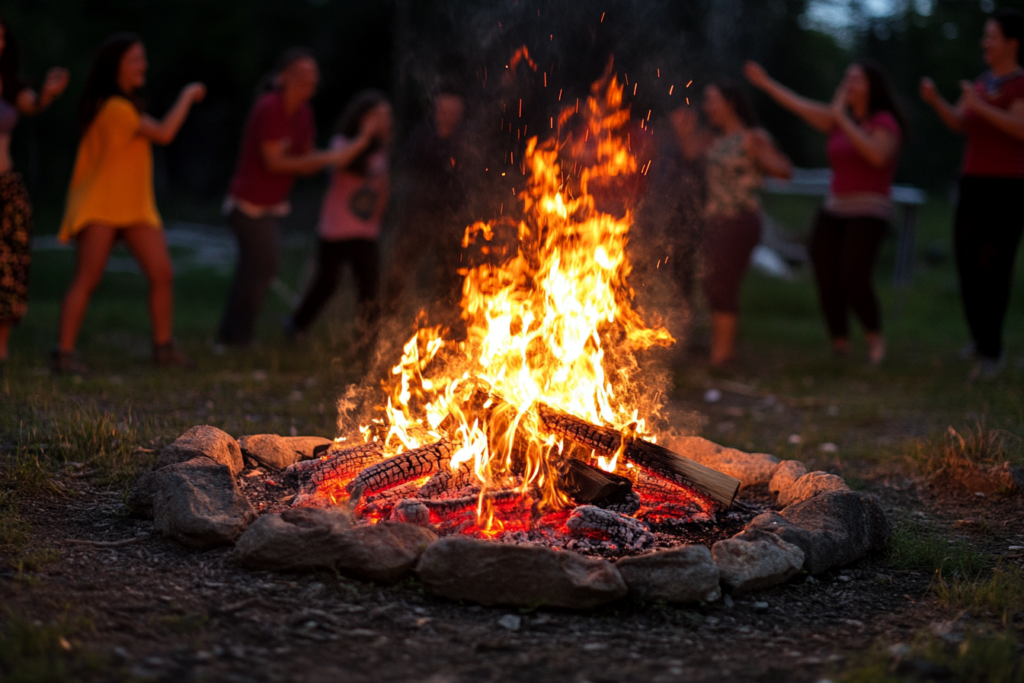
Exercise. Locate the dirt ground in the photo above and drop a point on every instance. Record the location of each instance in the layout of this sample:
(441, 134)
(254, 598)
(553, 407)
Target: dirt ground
(157, 611)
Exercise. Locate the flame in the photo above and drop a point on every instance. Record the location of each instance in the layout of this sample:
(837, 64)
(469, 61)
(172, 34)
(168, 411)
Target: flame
(548, 321)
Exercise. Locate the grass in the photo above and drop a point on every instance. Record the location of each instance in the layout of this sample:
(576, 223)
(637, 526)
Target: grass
(981, 657)
(33, 652)
(1000, 595)
(915, 546)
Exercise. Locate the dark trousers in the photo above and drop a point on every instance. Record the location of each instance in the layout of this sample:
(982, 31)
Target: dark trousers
(259, 257)
(361, 255)
(728, 244)
(843, 252)
(989, 220)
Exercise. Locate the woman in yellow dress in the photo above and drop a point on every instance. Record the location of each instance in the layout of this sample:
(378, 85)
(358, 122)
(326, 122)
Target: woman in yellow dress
(111, 193)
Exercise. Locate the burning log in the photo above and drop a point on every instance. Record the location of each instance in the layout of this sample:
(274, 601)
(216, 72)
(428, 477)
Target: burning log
(379, 506)
(338, 469)
(628, 505)
(675, 514)
(448, 482)
(656, 460)
(458, 511)
(587, 484)
(588, 520)
(404, 467)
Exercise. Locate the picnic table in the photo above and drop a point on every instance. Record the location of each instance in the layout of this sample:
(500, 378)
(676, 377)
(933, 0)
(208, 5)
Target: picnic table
(814, 182)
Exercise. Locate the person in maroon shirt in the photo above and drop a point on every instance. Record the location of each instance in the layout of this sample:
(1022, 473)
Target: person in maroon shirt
(989, 219)
(865, 128)
(277, 146)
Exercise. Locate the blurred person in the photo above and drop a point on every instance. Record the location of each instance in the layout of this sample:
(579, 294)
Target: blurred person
(350, 216)
(111, 193)
(277, 147)
(432, 218)
(17, 98)
(989, 218)
(738, 155)
(865, 128)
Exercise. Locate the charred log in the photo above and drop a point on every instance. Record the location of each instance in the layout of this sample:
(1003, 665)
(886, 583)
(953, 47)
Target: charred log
(340, 467)
(704, 482)
(448, 482)
(586, 484)
(591, 521)
(405, 467)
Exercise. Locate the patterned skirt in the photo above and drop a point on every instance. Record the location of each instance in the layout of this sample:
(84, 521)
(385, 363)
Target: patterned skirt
(15, 247)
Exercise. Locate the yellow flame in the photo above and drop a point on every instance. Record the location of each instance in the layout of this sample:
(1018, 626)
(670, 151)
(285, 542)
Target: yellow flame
(540, 324)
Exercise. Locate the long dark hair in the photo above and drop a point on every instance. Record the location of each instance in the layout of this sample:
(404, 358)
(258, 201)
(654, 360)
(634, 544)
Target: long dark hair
(1011, 24)
(283, 61)
(102, 82)
(348, 126)
(880, 93)
(10, 64)
(737, 97)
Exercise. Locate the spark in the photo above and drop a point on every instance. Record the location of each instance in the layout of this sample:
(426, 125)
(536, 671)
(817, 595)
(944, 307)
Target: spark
(602, 18)
(545, 79)
(634, 88)
(520, 108)
(659, 73)
(689, 84)
(670, 88)
(559, 94)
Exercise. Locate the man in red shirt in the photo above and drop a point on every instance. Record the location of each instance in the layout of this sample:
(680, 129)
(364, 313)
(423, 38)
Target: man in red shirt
(277, 146)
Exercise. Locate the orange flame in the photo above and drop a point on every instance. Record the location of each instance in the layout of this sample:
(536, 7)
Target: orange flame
(552, 323)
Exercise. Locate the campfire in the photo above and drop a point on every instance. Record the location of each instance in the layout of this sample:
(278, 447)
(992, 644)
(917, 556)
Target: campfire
(535, 426)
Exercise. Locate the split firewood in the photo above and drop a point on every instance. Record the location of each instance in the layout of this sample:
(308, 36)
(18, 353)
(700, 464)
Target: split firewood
(587, 484)
(595, 522)
(404, 467)
(657, 460)
(337, 467)
(448, 482)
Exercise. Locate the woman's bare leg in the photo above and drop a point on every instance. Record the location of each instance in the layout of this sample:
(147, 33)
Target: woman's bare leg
(5, 334)
(149, 248)
(93, 246)
(723, 338)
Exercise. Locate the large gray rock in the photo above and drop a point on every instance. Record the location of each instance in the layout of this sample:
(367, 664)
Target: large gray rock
(490, 573)
(754, 560)
(752, 469)
(686, 574)
(785, 475)
(831, 529)
(809, 486)
(200, 506)
(278, 452)
(203, 440)
(308, 538)
(140, 498)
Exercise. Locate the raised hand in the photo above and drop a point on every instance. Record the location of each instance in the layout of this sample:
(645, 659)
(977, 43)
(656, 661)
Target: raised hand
(194, 92)
(54, 84)
(839, 102)
(756, 74)
(929, 93)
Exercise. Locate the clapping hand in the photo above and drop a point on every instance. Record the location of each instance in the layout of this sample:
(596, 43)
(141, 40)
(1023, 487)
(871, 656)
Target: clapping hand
(969, 95)
(54, 84)
(839, 102)
(194, 92)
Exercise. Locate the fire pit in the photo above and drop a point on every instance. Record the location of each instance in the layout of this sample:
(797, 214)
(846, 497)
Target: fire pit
(511, 464)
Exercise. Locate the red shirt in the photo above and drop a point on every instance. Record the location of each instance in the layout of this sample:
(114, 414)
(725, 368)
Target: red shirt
(268, 122)
(851, 172)
(991, 152)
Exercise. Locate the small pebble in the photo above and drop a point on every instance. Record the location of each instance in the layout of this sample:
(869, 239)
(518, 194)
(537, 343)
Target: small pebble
(728, 601)
(795, 438)
(845, 579)
(828, 447)
(712, 396)
(760, 606)
(510, 621)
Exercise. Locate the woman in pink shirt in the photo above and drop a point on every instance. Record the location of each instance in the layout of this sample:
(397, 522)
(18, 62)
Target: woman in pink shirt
(350, 217)
(989, 218)
(865, 130)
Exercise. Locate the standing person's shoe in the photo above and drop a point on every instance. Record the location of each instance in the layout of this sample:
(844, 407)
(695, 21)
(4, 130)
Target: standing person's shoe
(987, 368)
(968, 352)
(169, 355)
(66, 363)
(292, 334)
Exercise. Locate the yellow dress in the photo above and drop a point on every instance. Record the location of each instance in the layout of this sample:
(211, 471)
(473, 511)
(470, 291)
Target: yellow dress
(112, 183)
